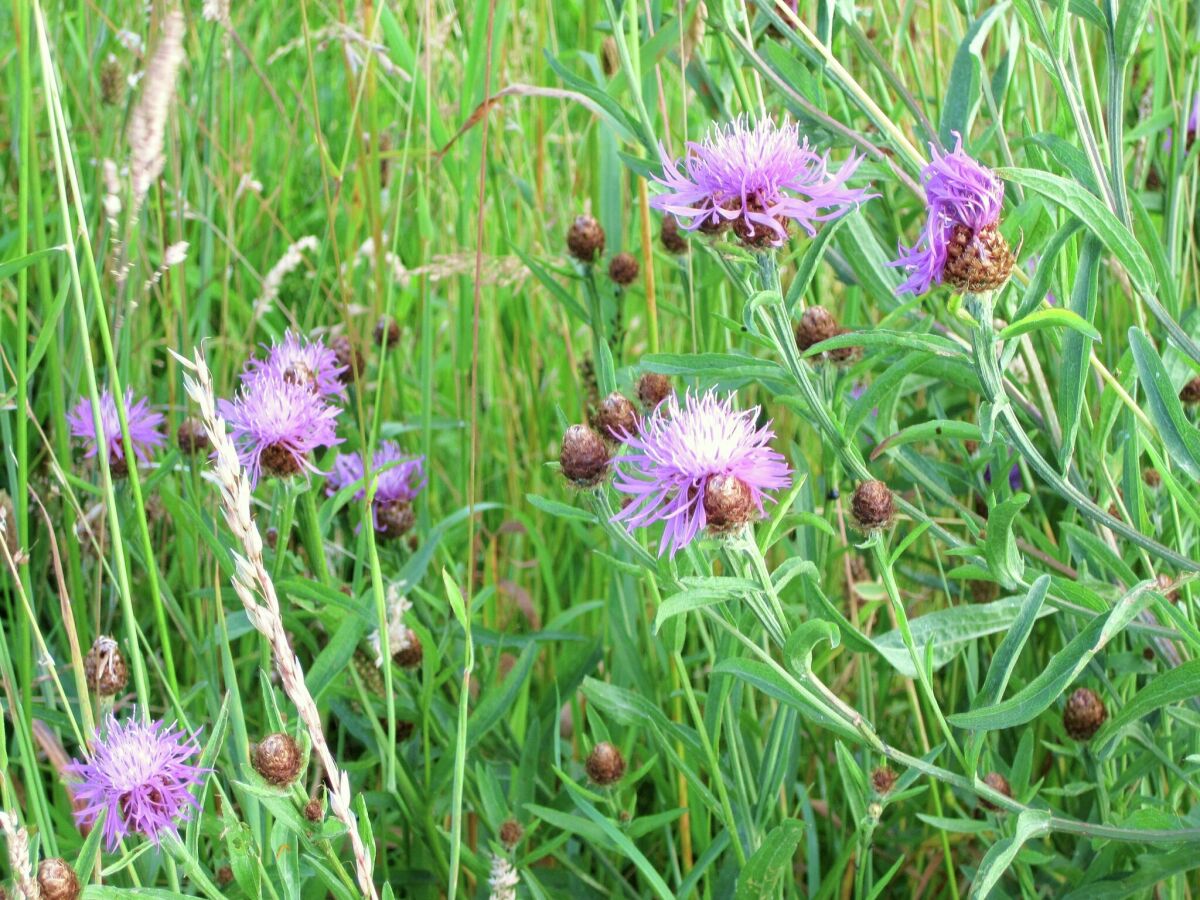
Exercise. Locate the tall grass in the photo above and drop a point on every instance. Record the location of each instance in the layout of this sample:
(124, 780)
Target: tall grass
(803, 711)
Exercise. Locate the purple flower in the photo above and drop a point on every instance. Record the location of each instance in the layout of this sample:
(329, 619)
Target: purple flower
(1015, 481)
(276, 423)
(400, 479)
(963, 202)
(308, 362)
(758, 177)
(697, 465)
(143, 427)
(140, 775)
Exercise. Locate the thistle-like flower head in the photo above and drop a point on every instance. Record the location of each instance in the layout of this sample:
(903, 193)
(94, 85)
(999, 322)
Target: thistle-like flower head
(144, 426)
(309, 362)
(758, 177)
(141, 775)
(400, 479)
(276, 423)
(963, 200)
(696, 462)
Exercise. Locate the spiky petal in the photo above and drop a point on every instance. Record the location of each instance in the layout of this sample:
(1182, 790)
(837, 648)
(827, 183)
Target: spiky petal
(678, 449)
(958, 192)
(144, 426)
(279, 422)
(140, 775)
(401, 477)
(306, 361)
(759, 177)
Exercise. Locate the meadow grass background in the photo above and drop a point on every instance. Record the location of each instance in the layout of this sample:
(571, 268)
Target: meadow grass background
(363, 122)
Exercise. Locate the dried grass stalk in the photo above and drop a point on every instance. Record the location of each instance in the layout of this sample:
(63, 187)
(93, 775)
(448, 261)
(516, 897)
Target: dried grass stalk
(256, 590)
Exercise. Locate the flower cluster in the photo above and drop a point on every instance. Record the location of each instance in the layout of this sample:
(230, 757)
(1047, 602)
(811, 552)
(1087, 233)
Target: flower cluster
(140, 775)
(398, 480)
(960, 243)
(145, 428)
(758, 178)
(282, 413)
(697, 465)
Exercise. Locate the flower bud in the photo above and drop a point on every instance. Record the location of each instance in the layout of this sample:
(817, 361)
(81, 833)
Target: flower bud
(977, 261)
(1000, 785)
(616, 418)
(511, 833)
(883, 780)
(1084, 714)
(411, 654)
(584, 456)
(314, 810)
(1151, 477)
(728, 503)
(672, 240)
(653, 389)
(349, 356)
(387, 331)
(277, 758)
(585, 239)
(623, 269)
(1190, 392)
(224, 876)
(104, 667)
(605, 765)
(57, 880)
(816, 324)
(192, 437)
(394, 519)
(872, 505)
(843, 356)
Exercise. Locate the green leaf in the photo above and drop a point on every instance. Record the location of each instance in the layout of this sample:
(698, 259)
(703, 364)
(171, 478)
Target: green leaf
(1004, 559)
(1095, 216)
(454, 595)
(1051, 318)
(963, 94)
(714, 365)
(1179, 436)
(698, 598)
(799, 648)
(1030, 824)
(949, 632)
(1010, 648)
(771, 863)
(934, 430)
(1076, 350)
(1062, 669)
(561, 510)
(1172, 686)
(13, 266)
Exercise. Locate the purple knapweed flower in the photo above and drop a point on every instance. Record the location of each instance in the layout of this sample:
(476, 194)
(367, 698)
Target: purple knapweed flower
(309, 362)
(702, 464)
(758, 177)
(400, 479)
(960, 243)
(140, 775)
(144, 427)
(1190, 129)
(276, 423)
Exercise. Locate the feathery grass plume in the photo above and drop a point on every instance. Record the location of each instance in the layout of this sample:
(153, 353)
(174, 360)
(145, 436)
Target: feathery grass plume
(145, 432)
(288, 263)
(18, 856)
(758, 177)
(137, 773)
(503, 879)
(960, 243)
(251, 581)
(216, 11)
(148, 121)
(694, 462)
(398, 634)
